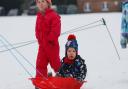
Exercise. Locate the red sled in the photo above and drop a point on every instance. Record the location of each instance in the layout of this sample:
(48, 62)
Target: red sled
(56, 83)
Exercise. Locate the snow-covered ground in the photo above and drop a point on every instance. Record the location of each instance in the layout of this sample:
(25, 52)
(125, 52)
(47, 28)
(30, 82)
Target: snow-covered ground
(105, 70)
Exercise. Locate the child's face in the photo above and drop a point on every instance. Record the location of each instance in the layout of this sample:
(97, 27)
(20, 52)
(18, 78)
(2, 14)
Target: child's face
(71, 53)
(42, 5)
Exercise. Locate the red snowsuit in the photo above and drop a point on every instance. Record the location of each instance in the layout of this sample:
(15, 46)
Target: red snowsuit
(48, 28)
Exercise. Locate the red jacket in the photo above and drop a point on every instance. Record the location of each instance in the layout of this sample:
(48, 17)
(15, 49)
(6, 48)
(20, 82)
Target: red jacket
(48, 29)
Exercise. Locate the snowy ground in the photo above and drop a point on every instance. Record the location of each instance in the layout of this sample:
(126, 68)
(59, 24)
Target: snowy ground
(105, 70)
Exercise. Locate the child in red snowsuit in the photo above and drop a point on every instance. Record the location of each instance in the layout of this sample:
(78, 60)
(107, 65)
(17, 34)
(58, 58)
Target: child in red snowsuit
(48, 28)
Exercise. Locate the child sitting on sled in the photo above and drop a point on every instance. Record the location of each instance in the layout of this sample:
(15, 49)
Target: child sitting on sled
(72, 64)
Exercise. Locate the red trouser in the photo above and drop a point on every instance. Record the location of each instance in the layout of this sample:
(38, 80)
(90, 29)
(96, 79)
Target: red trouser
(42, 61)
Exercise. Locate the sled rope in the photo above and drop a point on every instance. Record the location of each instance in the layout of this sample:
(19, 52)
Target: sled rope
(6, 46)
(21, 44)
(21, 56)
(17, 59)
(81, 28)
(24, 59)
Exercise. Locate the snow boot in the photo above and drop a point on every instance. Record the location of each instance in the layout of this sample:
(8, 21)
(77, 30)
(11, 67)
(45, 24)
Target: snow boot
(50, 74)
(36, 88)
(123, 42)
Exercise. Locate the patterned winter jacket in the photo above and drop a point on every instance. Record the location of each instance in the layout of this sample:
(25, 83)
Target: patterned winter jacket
(124, 25)
(77, 69)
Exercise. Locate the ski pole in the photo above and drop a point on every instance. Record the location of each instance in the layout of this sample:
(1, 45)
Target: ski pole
(104, 23)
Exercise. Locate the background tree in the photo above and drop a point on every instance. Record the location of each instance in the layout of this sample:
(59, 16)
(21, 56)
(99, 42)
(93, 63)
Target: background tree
(63, 2)
(11, 4)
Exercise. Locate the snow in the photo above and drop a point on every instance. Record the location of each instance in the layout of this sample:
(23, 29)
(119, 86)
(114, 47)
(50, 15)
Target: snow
(105, 70)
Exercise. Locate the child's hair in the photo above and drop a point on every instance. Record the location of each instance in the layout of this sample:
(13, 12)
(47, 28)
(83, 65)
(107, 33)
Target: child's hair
(49, 3)
(72, 42)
